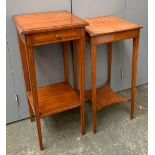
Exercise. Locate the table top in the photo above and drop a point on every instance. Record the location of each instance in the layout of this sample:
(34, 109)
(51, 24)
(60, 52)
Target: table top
(108, 24)
(47, 21)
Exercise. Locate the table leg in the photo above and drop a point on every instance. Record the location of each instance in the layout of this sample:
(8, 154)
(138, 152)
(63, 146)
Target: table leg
(26, 73)
(109, 61)
(93, 77)
(65, 50)
(75, 63)
(81, 54)
(31, 65)
(134, 73)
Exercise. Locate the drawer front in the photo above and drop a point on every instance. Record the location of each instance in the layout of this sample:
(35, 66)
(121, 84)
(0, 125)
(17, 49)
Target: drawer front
(55, 36)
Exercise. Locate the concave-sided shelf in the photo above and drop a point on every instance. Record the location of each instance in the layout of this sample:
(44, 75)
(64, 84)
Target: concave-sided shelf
(55, 98)
(105, 96)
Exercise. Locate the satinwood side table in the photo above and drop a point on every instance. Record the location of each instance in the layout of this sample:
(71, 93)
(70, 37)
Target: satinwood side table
(107, 29)
(46, 28)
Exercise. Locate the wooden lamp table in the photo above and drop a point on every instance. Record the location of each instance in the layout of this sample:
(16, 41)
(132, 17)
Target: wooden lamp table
(108, 29)
(46, 28)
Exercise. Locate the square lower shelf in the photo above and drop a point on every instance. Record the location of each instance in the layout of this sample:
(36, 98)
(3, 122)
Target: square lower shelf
(55, 98)
(105, 96)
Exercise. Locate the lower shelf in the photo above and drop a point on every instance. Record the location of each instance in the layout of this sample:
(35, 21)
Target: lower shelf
(55, 98)
(105, 96)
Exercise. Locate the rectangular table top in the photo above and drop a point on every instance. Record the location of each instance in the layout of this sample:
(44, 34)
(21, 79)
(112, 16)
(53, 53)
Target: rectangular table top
(47, 21)
(108, 24)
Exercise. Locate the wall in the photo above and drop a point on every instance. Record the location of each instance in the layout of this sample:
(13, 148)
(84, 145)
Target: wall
(133, 10)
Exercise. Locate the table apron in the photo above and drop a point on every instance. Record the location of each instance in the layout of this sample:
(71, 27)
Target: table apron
(105, 38)
(55, 36)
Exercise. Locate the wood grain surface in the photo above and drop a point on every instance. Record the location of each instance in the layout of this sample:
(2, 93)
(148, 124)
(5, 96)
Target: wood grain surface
(105, 96)
(108, 24)
(55, 98)
(47, 21)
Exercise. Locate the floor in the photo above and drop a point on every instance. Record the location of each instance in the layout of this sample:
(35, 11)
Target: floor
(116, 133)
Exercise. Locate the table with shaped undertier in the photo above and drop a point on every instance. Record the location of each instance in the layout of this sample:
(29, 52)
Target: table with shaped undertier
(107, 29)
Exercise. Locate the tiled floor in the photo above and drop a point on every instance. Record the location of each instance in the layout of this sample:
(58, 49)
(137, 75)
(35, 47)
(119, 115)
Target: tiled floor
(116, 133)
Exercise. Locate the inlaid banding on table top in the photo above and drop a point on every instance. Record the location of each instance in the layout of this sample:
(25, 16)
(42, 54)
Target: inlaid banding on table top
(108, 24)
(47, 21)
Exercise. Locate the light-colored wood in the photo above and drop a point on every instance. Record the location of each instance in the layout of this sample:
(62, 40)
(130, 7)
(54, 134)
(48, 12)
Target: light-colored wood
(134, 73)
(55, 98)
(47, 21)
(105, 96)
(65, 49)
(108, 24)
(46, 28)
(109, 61)
(25, 71)
(107, 30)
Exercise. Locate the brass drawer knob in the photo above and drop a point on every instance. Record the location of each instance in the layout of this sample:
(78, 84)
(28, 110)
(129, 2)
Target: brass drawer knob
(58, 36)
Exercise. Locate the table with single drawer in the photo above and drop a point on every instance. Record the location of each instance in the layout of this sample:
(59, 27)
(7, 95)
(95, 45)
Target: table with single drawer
(46, 28)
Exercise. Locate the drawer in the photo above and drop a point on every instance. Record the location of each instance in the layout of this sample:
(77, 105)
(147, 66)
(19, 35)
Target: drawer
(55, 36)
